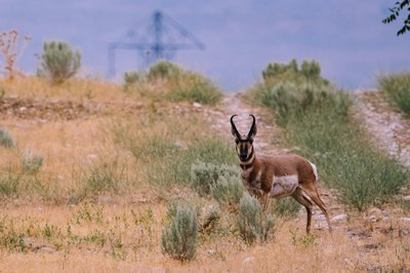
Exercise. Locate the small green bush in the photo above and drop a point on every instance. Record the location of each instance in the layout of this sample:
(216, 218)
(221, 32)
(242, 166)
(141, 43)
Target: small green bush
(6, 140)
(205, 176)
(163, 70)
(31, 162)
(228, 189)
(252, 222)
(132, 77)
(9, 184)
(194, 88)
(179, 236)
(59, 62)
(397, 89)
(294, 100)
(308, 71)
(176, 168)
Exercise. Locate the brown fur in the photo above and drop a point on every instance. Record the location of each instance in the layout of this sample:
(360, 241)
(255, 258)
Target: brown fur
(258, 174)
(286, 165)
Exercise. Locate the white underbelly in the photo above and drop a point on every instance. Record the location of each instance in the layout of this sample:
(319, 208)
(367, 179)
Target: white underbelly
(284, 185)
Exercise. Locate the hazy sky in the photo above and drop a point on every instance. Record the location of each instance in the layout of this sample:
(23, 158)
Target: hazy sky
(241, 37)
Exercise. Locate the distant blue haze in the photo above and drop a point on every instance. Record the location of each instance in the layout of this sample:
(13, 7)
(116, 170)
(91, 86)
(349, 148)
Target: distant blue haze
(346, 37)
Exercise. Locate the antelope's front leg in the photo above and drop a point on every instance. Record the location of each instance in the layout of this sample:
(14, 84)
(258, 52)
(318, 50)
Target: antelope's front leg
(265, 200)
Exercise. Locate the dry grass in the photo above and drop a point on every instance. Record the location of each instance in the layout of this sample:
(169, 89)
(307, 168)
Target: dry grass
(139, 236)
(60, 220)
(74, 89)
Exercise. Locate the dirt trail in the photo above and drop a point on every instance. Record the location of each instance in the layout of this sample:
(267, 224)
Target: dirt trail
(388, 127)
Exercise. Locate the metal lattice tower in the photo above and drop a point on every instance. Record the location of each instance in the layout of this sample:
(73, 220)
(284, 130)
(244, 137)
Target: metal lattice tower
(161, 40)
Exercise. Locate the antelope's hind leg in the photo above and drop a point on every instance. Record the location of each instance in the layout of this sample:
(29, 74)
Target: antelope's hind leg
(313, 194)
(298, 196)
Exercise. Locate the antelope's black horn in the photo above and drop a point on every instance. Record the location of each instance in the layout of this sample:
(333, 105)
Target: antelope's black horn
(234, 130)
(252, 131)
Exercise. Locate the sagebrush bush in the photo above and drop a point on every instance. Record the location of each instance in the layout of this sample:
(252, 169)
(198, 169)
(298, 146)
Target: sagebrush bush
(397, 89)
(176, 168)
(59, 61)
(176, 84)
(9, 184)
(308, 71)
(31, 162)
(194, 88)
(163, 70)
(293, 100)
(205, 176)
(228, 189)
(6, 140)
(252, 222)
(131, 78)
(179, 236)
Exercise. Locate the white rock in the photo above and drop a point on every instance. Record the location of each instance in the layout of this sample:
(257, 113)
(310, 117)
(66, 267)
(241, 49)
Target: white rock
(406, 198)
(406, 219)
(197, 105)
(339, 218)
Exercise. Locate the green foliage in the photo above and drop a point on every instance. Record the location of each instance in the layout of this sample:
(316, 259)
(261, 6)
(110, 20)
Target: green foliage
(194, 88)
(397, 89)
(177, 84)
(9, 184)
(340, 148)
(132, 77)
(59, 62)
(317, 120)
(206, 176)
(6, 140)
(293, 100)
(308, 71)
(179, 236)
(163, 70)
(286, 207)
(10, 239)
(228, 189)
(175, 168)
(395, 11)
(31, 162)
(252, 222)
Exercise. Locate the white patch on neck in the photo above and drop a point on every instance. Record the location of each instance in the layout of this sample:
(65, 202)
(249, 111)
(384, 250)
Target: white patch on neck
(284, 185)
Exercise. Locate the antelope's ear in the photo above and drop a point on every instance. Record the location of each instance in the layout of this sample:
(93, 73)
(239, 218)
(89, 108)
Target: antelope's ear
(252, 131)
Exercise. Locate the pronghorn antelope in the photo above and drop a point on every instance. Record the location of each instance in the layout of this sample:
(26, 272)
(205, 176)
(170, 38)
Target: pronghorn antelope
(278, 176)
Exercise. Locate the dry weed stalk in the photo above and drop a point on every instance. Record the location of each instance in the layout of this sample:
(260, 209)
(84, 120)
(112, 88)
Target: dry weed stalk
(11, 47)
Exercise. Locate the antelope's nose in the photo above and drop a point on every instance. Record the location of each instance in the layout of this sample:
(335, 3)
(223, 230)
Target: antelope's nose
(244, 156)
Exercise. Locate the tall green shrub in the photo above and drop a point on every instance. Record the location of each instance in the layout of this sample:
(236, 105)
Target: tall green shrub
(179, 236)
(59, 62)
(6, 139)
(252, 222)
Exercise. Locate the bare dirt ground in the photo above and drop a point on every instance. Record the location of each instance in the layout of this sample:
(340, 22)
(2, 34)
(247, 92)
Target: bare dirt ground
(389, 128)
